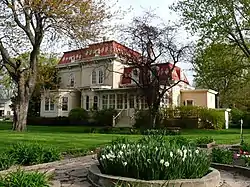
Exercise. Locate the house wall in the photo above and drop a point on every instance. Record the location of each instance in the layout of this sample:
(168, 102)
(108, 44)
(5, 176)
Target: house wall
(74, 101)
(118, 69)
(65, 73)
(5, 107)
(211, 101)
(199, 98)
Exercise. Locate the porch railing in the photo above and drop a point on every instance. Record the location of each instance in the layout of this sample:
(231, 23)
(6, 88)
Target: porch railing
(117, 117)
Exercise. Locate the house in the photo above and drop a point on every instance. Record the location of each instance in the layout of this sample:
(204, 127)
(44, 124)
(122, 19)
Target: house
(5, 110)
(96, 77)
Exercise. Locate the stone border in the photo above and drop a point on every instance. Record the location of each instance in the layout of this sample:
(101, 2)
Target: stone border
(47, 168)
(98, 179)
(238, 169)
(209, 145)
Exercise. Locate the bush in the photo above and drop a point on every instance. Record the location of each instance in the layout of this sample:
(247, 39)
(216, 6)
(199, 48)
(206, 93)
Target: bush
(154, 160)
(236, 116)
(104, 117)
(222, 156)
(204, 140)
(29, 154)
(42, 121)
(21, 178)
(180, 141)
(6, 161)
(211, 119)
(163, 132)
(78, 115)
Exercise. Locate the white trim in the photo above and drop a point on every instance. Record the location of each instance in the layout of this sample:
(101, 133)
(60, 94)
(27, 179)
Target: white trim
(200, 90)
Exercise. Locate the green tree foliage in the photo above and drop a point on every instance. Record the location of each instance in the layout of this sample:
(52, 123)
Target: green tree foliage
(223, 68)
(217, 20)
(27, 26)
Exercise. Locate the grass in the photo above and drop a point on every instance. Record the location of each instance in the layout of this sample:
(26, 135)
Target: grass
(72, 139)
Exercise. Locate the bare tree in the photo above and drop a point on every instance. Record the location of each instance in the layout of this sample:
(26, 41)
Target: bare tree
(25, 25)
(155, 44)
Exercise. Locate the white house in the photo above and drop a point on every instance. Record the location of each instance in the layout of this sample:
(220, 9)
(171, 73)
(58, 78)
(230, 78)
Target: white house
(96, 77)
(5, 110)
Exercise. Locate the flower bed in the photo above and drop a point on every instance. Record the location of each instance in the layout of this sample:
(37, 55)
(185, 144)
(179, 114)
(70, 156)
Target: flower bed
(205, 142)
(154, 159)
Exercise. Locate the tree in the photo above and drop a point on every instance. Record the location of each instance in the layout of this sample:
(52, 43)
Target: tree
(223, 68)
(217, 20)
(154, 44)
(25, 25)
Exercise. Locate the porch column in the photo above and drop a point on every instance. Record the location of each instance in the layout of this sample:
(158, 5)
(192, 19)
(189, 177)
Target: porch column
(108, 101)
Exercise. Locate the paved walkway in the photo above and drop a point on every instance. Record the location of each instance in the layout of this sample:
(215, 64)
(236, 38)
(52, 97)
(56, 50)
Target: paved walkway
(73, 173)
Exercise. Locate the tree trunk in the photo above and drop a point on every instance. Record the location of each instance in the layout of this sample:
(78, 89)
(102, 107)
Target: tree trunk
(21, 104)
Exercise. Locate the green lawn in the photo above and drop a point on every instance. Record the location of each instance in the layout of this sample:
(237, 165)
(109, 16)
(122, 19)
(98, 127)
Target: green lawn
(72, 138)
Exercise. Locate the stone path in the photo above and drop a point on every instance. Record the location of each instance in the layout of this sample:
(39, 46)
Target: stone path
(74, 174)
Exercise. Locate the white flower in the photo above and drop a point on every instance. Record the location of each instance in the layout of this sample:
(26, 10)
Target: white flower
(161, 161)
(124, 163)
(171, 154)
(120, 153)
(166, 164)
(139, 150)
(156, 148)
(123, 146)
(190, 155)
(179, 151)
(148, 160)
(103, 156)
(197, 151)
(138, 145)
(185, 151)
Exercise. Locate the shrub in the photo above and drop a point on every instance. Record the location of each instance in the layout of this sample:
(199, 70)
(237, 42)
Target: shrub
(78, 114)
(222, 156)
(29, 154)
(211, 118)
(245, 147)
(236, 115)
(21, 178)
(163, 132)
(180, 141)
(156, 160)
(204, 140)
(6, 161)
(104, 117)
(142, 119)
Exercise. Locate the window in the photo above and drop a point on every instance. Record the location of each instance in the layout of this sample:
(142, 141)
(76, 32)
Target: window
(143, 103)
(95, 104)
(125, 101)
(87, 102)
(104, 101)
(101, 77)
(71, 80)
(137, 102)
(94, 77)
(46, 104)
(190, 102)
(52, 105)
(119, 101)
(65, 104)
(8, 113)
(131, 101)
(49, 104)
(112, 101)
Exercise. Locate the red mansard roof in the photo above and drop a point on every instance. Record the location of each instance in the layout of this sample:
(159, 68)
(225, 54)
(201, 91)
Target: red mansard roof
(103, 49)
(163, 69)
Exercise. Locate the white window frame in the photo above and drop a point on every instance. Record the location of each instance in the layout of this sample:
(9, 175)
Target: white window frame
(100, 76)
(67, 104)
(186, 102)
(105, 101)
(95, 102)
(50, 103)
(94, 80)
(71, 80)
(112, 101)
